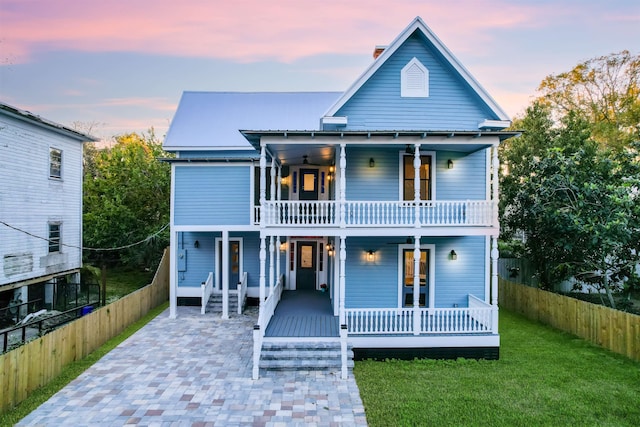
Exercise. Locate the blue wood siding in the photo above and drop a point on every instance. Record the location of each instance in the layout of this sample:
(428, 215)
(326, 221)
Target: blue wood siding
(451, 104)
(196, 263)
(466, 181)
(377, 183)
(212, 195)
(468, 178)
(224, 154)
(375, 284)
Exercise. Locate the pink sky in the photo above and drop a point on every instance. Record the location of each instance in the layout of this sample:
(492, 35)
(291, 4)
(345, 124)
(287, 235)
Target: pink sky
(509, 46)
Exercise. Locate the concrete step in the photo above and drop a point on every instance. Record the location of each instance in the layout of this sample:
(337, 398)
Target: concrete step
(303, 355)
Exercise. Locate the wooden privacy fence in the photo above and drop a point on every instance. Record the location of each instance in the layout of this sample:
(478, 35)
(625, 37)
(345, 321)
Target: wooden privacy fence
(36, 363)
(615, 330)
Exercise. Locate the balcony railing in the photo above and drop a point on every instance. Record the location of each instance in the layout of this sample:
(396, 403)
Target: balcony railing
(477, 319)
(378, 213)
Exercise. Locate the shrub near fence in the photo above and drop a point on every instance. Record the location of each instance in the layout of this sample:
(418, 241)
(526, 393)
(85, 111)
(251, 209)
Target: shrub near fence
(615, 330)
(36, 363)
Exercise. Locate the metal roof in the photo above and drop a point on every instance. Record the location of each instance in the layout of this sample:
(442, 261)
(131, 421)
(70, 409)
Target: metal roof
(212, 120)
(48, 124)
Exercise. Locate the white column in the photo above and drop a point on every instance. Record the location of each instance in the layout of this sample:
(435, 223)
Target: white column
(263, 279)
(225, 274)
(271, 266)
(336, 277)
(263, 182)
(494, 186)
(279, 187)
(494, 281)
(173, 275)
(278, 251)
(416, 183)
(343, 278)
(343, 185)
(416, 285)
(273, 179)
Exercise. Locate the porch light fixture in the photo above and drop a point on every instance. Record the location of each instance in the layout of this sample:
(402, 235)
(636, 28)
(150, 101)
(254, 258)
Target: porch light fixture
(449, 164)
(332, 169)
(370, 256)
(409, 149)
(196, 244)
(329, 249)
(372, 162)
(283, 246)
(453, 255)
(285, 180)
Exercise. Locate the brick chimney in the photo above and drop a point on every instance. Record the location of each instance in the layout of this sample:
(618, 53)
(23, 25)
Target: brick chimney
(377, 51)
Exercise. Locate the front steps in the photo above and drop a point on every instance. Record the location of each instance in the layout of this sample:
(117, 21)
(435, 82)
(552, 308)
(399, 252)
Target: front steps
(214, 305)
(322, 355)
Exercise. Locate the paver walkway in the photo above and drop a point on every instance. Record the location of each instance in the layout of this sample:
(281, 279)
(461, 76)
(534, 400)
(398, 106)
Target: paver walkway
(196, 371)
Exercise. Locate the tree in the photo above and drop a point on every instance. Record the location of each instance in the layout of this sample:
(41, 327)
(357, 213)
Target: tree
(605, 91)
(126, 199)
(577, 203)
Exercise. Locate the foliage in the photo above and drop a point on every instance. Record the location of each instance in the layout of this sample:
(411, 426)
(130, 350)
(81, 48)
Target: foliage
(604, 91)
(73, 370)
(579, 385)
(126, 200)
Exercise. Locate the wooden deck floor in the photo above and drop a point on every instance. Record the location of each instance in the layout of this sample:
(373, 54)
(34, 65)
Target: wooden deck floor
(303, 314)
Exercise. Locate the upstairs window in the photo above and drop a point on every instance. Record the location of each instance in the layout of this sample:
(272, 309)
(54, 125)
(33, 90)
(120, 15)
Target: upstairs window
(55, 163)
(414, 80)
(408, 174)
(54, 237)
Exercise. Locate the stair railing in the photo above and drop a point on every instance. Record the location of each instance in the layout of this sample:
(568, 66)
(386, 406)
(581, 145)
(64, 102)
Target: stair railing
(207, 289)
(242, 292)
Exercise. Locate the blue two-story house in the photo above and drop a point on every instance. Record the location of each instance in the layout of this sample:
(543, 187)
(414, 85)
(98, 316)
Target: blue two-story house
(367, 217)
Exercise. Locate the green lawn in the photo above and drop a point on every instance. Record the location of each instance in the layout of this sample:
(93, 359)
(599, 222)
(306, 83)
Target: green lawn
(121, 282)
(543, 378)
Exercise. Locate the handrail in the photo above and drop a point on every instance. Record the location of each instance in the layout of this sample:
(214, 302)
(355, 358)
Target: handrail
(469, 320)
(242, 292)
(366, 213)
(66, 316)
(206, 290)
(266, 312)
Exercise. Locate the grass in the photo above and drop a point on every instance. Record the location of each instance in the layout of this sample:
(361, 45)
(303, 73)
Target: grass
(73, 370)
(543, 378)
(122, 281)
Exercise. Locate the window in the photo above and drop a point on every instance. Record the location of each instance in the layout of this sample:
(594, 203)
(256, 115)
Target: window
(407, 276)
(54, 236)
(55, 163)
(414, 80)
(408, 174)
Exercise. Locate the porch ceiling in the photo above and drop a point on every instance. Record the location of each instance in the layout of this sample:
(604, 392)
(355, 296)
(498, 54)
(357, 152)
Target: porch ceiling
(290, 147)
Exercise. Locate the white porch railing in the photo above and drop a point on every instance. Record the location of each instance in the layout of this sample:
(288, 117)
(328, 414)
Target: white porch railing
(242, 292)
(206, 291)
(266, 312)
(478, 318)
(379, 213)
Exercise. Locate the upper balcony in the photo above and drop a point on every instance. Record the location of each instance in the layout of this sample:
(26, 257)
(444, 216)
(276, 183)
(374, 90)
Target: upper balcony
(288, 213)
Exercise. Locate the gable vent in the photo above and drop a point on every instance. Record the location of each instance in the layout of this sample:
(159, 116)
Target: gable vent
(414, 80)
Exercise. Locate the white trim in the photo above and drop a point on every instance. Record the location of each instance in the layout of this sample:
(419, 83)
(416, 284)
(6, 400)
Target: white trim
(487, 270)
(173, 233)
(217, 241)
(494, 124)
(335, 120)
(418, 24)
(221, 164)
(411, 341)
(432, 170)
(432, 271)
(188, 291)
(179, 148)
(409, 92)
(220, 228)
(487, 154)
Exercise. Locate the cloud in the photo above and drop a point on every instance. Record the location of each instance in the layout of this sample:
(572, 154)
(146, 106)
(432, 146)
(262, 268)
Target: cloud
(244, 30)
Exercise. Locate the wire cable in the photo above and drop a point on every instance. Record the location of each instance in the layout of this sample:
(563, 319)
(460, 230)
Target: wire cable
(146, 239)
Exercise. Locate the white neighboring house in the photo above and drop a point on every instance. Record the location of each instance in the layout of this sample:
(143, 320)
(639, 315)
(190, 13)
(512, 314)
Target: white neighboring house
(40, 206)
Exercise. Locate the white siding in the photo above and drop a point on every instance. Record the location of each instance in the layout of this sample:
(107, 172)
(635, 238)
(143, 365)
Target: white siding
(29, 200)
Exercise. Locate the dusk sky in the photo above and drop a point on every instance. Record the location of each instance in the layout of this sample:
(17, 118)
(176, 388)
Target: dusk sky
(122, 65)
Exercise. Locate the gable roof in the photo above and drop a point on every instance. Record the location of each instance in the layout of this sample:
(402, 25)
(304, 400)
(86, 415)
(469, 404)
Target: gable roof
(34, 119)
(418, 25)
(212, 120)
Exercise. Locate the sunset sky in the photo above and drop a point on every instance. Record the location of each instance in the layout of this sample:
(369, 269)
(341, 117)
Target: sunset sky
(120, 66)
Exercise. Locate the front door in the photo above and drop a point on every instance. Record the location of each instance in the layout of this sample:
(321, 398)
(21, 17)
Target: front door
(234, 263)
(409, 277)
(306, 266)
(308, 184)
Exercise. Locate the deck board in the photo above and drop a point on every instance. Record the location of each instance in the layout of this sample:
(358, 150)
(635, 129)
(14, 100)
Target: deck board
(303, 314)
